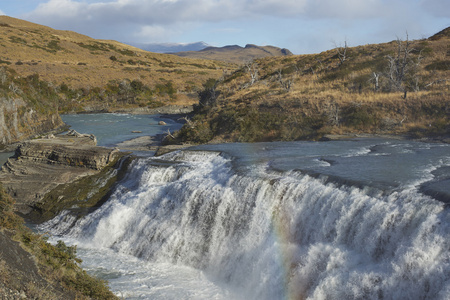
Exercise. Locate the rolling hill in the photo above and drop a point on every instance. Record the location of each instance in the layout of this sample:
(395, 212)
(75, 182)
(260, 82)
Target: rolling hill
(400, 87)
(236, 54)
(44, 72)
(78, 61)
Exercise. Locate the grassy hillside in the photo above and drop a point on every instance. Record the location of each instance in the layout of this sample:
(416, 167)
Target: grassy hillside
(31, 268)
(400, 87)
(94, 69)
(236, 54)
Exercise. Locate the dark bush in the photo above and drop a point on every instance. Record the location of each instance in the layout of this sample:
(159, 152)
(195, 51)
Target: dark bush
(439, 65)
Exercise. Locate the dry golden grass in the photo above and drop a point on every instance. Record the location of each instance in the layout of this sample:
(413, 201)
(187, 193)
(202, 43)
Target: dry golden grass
(307, 96)
(319, 76)
(82, 62)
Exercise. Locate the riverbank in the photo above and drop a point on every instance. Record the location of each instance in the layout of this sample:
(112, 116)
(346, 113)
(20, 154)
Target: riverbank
(40, 166)
(163, 110)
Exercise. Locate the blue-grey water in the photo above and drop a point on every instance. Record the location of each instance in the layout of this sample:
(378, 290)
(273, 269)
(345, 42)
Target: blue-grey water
(111, 129)
(4, 157)
(357, 219)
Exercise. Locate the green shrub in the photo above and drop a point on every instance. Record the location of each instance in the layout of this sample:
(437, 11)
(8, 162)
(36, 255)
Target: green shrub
(54, 45)
(8, 219)
(359, 117)
(126, 52)
(439, 65)
(18, 40)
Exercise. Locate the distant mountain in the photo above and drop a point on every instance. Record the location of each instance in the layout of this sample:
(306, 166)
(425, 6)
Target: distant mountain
(235, 53)
(172, 47)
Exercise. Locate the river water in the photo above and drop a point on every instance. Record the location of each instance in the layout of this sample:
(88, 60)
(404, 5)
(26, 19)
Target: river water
(111, 129)
(357, 219)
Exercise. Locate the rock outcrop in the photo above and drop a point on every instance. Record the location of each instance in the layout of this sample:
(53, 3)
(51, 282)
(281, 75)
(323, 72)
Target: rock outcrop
(41, 165)
(19, 121)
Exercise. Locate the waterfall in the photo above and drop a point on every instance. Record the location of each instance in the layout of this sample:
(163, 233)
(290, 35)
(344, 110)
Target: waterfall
(272, 234)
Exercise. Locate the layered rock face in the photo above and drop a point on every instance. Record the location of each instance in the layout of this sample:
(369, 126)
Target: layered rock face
(19, 121)
(41, 165)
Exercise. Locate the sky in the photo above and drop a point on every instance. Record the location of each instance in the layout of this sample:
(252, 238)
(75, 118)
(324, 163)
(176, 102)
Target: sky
(302, 26)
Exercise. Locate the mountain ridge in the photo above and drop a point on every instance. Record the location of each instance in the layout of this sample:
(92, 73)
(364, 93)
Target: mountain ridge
(168, 48)
(235, 53)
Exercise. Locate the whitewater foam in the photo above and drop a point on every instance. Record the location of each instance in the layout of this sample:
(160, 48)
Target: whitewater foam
(272, 235)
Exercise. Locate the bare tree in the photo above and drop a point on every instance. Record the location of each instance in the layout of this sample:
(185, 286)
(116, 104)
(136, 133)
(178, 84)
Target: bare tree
(398, 65)
(168, 134)
(376, 79)
(3, 75)
(252, 69)
(286, 84)
(208, 96)
(333, 113)
(14, 88)
(342, 53)
(188, 121)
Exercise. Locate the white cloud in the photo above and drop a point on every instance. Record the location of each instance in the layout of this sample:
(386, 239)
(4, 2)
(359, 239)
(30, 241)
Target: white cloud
(59, 10)
(2, 13)
(151, 12)
(165, 20)
(156, 33)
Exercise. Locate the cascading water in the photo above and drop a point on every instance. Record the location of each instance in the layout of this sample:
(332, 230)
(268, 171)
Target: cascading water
(272, 234)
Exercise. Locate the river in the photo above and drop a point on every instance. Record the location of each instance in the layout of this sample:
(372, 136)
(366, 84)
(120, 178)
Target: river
(355, 219)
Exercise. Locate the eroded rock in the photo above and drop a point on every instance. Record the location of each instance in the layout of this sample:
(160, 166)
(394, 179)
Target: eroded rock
(41, 165)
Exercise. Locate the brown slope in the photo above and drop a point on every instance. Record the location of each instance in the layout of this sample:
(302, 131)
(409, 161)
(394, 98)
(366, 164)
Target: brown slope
(309, 96)
(441, 35)
(82, 62)
(236, 54)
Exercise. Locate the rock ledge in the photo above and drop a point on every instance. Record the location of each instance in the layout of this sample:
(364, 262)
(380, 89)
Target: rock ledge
(41, 165)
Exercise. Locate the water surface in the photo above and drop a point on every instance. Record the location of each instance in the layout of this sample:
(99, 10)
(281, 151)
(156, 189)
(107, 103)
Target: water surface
(356, 219)
(112, 129)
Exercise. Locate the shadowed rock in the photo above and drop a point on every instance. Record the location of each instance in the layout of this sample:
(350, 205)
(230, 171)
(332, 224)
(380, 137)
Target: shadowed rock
(41, 165)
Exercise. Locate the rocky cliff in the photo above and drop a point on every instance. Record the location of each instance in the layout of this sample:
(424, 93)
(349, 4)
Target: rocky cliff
(19, 121)
(28, 107)
(40, 166)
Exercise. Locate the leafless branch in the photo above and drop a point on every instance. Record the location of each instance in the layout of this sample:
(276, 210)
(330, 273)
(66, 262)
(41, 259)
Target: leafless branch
(188, 121)
(286, 84)
(169, 134)
(342, 53)
(252, 69)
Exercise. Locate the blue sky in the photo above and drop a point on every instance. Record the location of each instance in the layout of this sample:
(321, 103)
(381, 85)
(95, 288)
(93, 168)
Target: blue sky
(302, 26)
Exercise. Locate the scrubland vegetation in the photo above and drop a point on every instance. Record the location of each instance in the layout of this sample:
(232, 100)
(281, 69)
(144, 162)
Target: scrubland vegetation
(101, 74)
(52, 271)
(399, 87)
